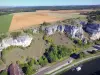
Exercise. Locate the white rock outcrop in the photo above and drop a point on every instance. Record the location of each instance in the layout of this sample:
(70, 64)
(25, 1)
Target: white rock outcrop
(93, 30)
(23, 41)
(73, 31)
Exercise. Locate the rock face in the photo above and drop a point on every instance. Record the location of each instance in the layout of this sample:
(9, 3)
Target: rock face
(51, 30)
(93, 30)
(23, 41)
(73, 31)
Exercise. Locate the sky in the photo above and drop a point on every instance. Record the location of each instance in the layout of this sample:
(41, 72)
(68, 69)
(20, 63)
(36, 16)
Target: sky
(47, 2)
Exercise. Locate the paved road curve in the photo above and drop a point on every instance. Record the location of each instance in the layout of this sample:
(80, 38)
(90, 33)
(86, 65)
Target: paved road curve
(49, 69)
(75, 64)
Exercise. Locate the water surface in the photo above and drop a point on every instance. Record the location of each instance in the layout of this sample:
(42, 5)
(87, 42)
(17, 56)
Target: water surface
(89, 68)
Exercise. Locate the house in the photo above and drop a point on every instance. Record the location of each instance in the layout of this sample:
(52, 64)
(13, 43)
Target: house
(14, 69)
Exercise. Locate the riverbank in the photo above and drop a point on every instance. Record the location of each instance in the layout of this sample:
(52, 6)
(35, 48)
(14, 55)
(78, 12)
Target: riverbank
(76, 62)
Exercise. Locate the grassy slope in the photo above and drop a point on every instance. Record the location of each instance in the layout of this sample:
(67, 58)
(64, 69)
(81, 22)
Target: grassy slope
(35, 50)
(5, 22)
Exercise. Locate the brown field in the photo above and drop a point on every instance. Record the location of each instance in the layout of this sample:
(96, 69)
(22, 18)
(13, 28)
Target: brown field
(65, 11)
(23, 20)
(62, 40)
(27, 19)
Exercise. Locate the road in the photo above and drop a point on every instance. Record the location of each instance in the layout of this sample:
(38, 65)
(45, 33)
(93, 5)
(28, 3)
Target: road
(75, 64)
(50, 69)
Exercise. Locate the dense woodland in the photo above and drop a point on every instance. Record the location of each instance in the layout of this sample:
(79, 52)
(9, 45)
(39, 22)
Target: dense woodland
(9, 10)
(93, 16)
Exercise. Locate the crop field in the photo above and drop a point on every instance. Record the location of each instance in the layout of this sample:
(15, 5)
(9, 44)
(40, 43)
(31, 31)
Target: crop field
(28, 19)
(5, 22)
(23, 20)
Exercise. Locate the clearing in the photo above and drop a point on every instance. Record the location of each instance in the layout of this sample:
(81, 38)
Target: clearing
(62, 39)
(35, 50)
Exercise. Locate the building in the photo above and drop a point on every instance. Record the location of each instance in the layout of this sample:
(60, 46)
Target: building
(14, 69)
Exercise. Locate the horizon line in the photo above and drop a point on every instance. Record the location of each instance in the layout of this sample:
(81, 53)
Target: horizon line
(46, 5)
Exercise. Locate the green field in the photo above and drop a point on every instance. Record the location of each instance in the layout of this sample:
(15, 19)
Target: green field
(5, 22)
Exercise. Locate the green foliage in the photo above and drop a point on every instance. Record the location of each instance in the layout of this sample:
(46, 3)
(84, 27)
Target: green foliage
(45, 24)
(97, 41)
(3, 73)
(28, 67)
(82, 55)
(79, 42)
(15, 34)
(31, 62)
(29, 70)
(47, 39)
(56, 52)
(92, 16)
(5, 22)
(2, 36)
(43, 61)
(28, 31)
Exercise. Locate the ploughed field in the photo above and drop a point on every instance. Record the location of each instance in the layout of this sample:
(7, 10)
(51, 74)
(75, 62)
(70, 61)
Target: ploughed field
(22, 20)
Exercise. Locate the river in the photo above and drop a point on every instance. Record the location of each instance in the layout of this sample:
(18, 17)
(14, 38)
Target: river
(89, 68)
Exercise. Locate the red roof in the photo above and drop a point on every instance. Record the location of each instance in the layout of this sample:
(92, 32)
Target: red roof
(15, 70)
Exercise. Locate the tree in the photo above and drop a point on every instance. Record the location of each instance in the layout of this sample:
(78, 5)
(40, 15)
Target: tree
(15, 34)
(43, 61)
(28, 31)
(82, 55)
(45, 24)
(52, 57)
(2, 36)
(29, 70)
(53, 53)
(31, 62)
(47, 39)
